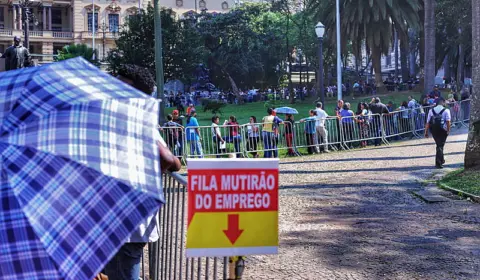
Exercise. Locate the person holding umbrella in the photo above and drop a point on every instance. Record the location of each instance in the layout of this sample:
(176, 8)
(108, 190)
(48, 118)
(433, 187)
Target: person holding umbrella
(81, 171)
(125, 265)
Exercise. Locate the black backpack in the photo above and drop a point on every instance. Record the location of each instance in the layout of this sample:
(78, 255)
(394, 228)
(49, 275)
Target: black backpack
(436, 123)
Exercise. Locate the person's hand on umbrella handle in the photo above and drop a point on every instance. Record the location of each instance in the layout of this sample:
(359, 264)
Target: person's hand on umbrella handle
(168, 162)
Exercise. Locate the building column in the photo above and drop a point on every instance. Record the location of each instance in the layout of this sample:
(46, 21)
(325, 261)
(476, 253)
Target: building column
(50, 18)
(20, 19)
(47, 49)
(71, 19)
(44, 18)
(14, 8)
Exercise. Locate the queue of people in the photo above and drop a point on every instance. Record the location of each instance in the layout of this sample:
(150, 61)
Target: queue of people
(366, 125)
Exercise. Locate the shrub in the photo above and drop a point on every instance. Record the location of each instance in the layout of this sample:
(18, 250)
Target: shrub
(212, 105)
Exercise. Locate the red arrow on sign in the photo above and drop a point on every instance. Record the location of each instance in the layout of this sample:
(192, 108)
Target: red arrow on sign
(233, 232)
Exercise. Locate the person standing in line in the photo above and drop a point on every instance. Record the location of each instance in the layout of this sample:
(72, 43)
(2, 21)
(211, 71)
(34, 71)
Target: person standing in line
(253, 136)
(193, 134)
(378, 108)
(217, 137)
(321, 131)
(268, 135)
(439, 121)
(310, 131)
(289, 124)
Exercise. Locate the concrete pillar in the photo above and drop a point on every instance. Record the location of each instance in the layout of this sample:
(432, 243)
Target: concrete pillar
(71, 18)
(15, 23)
(44, 18)
(50, 18)
(47, 49)
(20, 19)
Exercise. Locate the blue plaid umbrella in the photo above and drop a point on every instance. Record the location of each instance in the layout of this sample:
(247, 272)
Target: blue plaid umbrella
(80, 169)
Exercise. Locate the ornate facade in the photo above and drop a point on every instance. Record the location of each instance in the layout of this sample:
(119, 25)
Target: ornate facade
(61, 22)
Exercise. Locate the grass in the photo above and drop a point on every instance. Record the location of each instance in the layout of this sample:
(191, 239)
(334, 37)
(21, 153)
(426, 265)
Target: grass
(258, 109)
(462, 180)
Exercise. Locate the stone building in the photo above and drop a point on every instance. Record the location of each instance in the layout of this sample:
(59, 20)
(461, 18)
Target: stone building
(62, 22)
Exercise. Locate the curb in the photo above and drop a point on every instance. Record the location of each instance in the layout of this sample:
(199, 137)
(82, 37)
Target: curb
(473, 197)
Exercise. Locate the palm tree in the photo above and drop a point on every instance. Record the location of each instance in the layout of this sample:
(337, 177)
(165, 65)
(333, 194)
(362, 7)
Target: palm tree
(472, 152)
(429, 29)
(76, 50)
(368, 22)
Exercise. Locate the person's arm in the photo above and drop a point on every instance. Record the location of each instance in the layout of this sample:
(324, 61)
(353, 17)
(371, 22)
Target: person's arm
(27, 58)
(427, 125)
(168, 162)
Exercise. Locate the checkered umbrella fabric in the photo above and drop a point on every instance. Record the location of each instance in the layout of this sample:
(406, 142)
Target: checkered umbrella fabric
(80, 169)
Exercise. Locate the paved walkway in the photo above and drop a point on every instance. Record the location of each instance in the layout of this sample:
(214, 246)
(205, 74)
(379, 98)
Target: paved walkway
(352, 215)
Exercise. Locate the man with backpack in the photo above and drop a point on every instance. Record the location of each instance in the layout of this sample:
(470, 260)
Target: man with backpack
(439, 122)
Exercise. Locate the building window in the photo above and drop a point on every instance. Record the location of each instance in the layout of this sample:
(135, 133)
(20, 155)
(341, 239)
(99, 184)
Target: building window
(202, 5)
(90, 16)
(2, 15)
(179, 3)
(225, 5)
(57, 16)
(113, 22)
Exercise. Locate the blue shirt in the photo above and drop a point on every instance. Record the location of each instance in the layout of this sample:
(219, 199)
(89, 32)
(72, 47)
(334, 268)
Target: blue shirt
(310, 125)
(345, 114)
(191, 133)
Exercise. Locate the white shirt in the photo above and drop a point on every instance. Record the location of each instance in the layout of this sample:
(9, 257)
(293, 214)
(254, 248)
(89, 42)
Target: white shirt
(446, 116)
(411, 103)
(321, 117)
(216, 130)
(148, 230)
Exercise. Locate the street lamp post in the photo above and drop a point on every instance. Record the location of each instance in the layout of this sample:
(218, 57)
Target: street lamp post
(320, 30)
(159, 59)
(339, 53)
(27, 15)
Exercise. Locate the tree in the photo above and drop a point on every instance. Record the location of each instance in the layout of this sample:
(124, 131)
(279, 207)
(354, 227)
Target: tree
(76, 50)
(369, 22)
(429, 28)
(136, 44)
(234, 46)
(472, 152)
(454, 37)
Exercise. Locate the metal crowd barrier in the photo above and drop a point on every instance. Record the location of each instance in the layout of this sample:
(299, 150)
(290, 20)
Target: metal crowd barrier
(252, 140)
(165, 259)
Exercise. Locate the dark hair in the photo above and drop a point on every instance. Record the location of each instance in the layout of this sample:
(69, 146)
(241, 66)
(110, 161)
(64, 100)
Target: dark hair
(214, 118)
(254, 119)
(169, 117)
(405, 104)
(141, 77)
(440, 100)
(319, 104)
(313, 112)
(376, 100)
(233, 119)
(345, 106)
(270, 111)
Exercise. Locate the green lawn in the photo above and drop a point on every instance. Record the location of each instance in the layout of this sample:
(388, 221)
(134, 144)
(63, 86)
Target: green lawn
(467, 181)
(258, 109)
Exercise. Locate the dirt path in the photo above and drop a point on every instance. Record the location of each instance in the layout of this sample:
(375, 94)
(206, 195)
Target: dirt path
(351, 215)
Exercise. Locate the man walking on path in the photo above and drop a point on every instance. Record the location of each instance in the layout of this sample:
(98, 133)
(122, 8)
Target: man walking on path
(322, 133)
(439, 121)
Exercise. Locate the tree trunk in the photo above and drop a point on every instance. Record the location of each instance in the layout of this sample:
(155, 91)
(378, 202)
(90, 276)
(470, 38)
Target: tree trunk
(377, 66)
(446, 68)
(461, 63)
(395, 45)
(413, 53)
(429, 64)
(404, 56)
(472, 152)
(235, 90)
